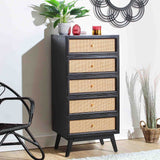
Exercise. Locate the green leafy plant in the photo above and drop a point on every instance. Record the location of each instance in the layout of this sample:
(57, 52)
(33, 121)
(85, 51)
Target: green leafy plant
(60, 11)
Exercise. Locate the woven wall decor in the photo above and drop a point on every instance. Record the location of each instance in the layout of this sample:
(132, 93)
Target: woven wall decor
(119, 17)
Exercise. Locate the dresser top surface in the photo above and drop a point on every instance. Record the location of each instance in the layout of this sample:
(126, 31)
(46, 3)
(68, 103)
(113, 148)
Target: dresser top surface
(87, 36)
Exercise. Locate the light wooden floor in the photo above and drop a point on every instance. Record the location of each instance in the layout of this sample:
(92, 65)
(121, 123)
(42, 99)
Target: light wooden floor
(86, 150)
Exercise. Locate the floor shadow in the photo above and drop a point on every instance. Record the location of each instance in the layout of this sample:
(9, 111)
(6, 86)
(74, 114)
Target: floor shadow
(97, 147)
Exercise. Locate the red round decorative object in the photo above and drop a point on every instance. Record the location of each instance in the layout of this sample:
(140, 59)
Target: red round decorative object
(76, 30)
(69, 31)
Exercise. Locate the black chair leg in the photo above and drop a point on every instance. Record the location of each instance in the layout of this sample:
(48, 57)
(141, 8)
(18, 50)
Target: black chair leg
(57, 141)
(36, 143)
(101, 141)
(113, 143)
(33, 141)
(3, 139)
(69, 146)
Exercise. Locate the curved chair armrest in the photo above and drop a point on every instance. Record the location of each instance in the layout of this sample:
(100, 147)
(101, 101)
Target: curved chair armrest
(22, 99)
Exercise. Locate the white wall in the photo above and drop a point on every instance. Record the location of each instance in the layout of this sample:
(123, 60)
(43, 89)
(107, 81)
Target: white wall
(25, 59)
(18, 34)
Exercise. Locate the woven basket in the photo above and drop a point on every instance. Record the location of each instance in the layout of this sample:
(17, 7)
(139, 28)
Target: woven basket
(151, 135)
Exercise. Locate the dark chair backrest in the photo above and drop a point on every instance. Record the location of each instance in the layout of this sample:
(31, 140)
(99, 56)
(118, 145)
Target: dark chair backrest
(22, 99)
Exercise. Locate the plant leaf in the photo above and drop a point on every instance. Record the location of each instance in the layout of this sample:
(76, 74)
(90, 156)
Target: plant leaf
(65, 10)
(82, 14)
(72, 4)
(79, 16)
(51, 9)
(75, 11)
(61, 5)
(53, 2)
(47, 14)
(56, 23)
(79, 12)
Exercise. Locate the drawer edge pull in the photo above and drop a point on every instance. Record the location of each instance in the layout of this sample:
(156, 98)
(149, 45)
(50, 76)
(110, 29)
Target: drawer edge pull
(92, 105)
(92, 66)
(91, 86)
(92, 45)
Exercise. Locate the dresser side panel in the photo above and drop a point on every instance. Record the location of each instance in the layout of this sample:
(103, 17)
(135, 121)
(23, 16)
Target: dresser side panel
(59, 86)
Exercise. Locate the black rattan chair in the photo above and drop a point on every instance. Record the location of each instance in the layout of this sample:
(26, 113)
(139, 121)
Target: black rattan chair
(10, 128)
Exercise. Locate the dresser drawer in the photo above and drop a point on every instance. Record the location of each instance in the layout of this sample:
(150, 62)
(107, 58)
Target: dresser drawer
(92, 105)
(92, 125)
(92, 65)
(91, 45)
(92, 85)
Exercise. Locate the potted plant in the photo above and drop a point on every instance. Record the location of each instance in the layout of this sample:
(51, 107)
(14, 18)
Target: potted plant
(60, 13)
(150, 129)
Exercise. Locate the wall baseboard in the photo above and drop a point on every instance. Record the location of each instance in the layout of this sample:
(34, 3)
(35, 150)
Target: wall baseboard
(49, 140)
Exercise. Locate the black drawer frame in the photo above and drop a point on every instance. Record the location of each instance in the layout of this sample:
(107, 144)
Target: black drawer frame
(61, 95)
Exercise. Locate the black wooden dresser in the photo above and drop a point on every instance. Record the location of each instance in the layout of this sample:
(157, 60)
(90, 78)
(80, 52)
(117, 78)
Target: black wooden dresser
(85, 88)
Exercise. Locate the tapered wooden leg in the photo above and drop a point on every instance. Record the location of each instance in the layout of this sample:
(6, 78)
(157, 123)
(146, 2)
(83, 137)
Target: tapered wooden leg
(101, 141)
(113, 143)
(57, 141)
(69, 146)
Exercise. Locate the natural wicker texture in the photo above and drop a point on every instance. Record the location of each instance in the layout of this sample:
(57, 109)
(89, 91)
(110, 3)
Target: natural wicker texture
(92, 45)
(92, 105)
(151, 135)
(92, 85)
(91, 125)
(92, 65)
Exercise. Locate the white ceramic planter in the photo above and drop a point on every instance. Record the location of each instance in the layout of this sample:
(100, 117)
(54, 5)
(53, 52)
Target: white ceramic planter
(64, 28)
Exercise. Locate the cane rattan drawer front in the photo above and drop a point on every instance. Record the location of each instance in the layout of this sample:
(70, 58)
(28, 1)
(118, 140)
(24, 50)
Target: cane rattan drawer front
(92, 105)
(92, 65)
(92, 125)
(92, 85)
(91, 45)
